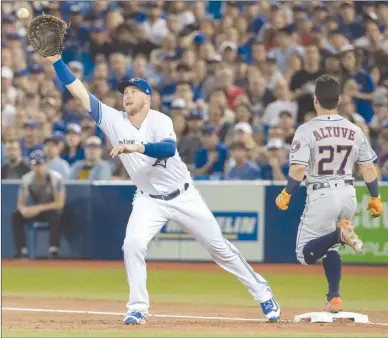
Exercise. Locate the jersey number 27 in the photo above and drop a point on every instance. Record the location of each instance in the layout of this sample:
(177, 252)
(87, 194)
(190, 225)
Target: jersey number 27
(331, 151)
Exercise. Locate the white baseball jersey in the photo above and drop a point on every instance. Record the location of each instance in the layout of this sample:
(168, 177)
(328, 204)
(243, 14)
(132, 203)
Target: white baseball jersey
(330, 145)
(149, 214)
(150, 175)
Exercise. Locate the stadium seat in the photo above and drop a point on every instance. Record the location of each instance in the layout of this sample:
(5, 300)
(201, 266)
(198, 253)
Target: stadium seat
(32, 231)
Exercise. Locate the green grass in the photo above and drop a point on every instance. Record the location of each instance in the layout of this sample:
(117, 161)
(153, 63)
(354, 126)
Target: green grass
(362, 293)
(137, 333)
(296, 291)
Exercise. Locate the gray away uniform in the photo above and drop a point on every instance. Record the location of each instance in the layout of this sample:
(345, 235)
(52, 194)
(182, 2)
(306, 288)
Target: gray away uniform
(329, 145)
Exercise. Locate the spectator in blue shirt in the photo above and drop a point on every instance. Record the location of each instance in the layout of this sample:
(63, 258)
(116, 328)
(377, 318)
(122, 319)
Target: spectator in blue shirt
(211, 157)
(29, 142)
(73, 150)
(358, 84)
(349, 25)
(242, 167)
(214, 8)
(167, 86)
(78, 31)
(252, 12)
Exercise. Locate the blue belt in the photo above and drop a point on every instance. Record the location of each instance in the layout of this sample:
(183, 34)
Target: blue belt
(171, 195)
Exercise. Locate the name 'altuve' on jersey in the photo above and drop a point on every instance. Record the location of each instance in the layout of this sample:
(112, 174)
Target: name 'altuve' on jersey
(330, 145)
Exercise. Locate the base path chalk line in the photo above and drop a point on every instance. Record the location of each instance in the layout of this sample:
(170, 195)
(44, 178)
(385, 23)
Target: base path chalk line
(150, 315)
(122, 314)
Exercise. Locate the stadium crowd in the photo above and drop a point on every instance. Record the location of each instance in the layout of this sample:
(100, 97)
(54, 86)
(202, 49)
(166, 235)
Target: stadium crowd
(236, 78)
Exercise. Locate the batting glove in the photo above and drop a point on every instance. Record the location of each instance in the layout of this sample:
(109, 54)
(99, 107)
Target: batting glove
(376, 206)
(283, 200)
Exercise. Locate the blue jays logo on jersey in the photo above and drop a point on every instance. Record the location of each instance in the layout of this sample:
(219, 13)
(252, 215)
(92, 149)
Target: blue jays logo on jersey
(161, 161)
(126, 141)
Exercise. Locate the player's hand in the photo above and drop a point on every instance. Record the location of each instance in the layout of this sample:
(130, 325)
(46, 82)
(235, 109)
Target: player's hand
(375, 206)
(53, 58)
(126, 149)
(283, 200)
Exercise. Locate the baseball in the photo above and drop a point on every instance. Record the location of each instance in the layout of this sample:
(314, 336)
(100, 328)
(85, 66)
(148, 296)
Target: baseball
(23, 13)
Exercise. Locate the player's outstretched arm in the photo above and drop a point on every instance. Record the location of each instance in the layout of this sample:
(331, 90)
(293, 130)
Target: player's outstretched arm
(72, 83)
(369, 173)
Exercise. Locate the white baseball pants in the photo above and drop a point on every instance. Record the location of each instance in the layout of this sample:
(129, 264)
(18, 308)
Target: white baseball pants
(191, 212)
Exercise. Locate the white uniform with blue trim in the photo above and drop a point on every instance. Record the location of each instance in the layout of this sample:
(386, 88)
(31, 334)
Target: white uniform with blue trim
(181, 202)
(329, 145)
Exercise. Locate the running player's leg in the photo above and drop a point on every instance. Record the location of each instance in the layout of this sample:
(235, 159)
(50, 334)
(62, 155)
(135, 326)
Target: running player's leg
(193, 214)
(318, 236)
(332, 260)
(317, 230)
(146, 220)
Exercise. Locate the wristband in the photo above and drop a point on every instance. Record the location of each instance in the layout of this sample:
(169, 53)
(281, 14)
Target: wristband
(373, 188)
(292, 185)
(63, 72)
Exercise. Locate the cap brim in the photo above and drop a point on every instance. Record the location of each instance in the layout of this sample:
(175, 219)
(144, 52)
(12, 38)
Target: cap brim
(124, 84)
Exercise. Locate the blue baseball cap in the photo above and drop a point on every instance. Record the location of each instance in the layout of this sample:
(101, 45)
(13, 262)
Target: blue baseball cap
(137, 82)
(38, 157)
(199, 39)
(207, 129)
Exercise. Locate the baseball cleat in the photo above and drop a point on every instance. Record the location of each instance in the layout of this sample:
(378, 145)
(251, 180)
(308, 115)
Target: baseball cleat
(135, 318)
(335, 305)
(271, 310)
(349, 237)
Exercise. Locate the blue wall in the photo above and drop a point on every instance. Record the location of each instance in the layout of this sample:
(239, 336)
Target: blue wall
(281, 227)
(76, 222)
(96, 216)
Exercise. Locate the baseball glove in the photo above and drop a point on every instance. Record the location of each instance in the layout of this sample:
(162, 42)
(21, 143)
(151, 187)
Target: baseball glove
(46, 34)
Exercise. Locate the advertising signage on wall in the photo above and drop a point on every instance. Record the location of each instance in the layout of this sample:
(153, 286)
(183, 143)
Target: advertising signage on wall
(373, 232)
(241, 221)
